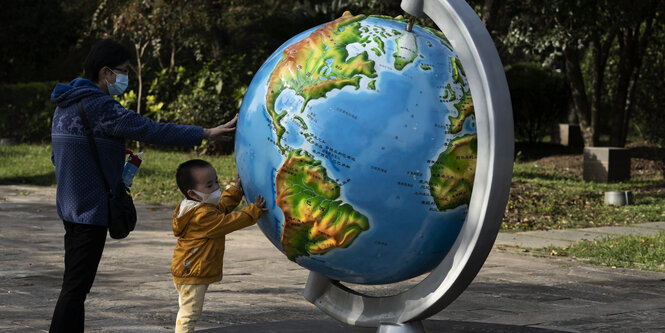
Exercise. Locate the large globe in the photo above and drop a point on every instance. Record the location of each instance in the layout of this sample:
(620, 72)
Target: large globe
(361, 136)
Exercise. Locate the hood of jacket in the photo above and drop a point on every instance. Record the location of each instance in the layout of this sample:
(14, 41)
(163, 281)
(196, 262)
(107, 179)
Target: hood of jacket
(64, 95)
(183, 214)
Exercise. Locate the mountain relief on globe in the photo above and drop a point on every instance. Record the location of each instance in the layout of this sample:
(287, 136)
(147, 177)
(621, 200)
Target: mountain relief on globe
(315, 219)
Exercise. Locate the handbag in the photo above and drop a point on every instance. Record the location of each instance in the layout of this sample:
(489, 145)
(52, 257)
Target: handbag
(122, 213)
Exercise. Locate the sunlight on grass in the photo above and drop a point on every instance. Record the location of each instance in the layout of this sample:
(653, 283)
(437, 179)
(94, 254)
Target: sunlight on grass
(633, 251)
(26, 164)
(545, 198)
(541, 197)
(154, 183)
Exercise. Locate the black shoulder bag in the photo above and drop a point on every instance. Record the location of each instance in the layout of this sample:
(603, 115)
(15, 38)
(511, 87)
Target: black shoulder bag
(122, 214)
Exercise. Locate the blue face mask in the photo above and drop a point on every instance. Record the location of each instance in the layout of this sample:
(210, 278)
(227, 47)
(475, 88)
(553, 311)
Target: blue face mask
(121, 83)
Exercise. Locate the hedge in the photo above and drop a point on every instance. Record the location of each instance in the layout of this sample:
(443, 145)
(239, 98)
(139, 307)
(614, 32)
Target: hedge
(26, 111)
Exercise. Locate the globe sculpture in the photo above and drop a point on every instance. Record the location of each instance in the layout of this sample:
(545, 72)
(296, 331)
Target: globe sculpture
(361, 136)
(384, 151)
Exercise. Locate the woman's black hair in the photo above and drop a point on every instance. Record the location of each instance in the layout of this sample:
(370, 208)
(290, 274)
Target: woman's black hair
(183, 175)
(106, 53)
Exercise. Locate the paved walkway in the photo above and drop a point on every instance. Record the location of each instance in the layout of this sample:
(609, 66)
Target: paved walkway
(261, 291)
(539, 239)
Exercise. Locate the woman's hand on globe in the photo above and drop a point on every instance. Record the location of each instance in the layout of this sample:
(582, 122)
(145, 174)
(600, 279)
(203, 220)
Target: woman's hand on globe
(261, 203)
(221, 132)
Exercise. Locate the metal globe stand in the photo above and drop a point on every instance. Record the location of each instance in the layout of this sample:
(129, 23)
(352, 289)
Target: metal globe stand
(404, 312)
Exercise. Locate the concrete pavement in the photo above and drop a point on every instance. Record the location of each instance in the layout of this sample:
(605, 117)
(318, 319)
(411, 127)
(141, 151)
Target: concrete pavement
(565, 237)
(261, 290)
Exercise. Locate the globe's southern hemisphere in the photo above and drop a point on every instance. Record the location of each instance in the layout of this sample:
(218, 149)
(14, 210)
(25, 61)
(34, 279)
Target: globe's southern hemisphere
(361, 136)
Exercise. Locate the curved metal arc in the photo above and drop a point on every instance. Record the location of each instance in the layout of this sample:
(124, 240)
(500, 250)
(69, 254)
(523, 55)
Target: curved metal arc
(490, 193)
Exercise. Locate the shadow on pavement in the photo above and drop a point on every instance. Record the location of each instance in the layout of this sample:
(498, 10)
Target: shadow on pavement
(332, 326)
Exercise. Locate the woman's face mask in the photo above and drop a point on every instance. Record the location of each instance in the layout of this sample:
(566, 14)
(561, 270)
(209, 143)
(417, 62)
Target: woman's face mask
(121, 83)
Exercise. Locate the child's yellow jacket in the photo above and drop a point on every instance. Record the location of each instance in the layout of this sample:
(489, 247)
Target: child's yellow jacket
(200, 228)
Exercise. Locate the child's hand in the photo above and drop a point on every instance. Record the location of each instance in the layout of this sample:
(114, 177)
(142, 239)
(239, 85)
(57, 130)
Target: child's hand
(238, 184)
(261, 203)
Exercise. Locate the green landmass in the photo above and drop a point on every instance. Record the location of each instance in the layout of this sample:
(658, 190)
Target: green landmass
(425, 67)
(379, 42)
(399, 18)
(407, 50)
(372, 85)
(453, 172)
(301, 121)
(464, 110)
(450, 93)
(302, 65)
(443, 39)
(315, 222)
(376, 51)
(458, 71)
(465, 104)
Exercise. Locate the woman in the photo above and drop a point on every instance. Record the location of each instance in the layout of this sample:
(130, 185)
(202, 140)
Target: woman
(81, 198)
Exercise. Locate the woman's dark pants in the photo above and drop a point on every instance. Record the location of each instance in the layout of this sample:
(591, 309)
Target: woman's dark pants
(84, 244)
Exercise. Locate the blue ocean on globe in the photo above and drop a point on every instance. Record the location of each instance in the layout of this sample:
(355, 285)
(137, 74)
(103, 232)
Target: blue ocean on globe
(361, 137)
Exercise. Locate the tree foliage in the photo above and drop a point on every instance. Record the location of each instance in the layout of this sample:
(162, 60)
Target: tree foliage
(39, 38)
(539, 98)
(601, 45)
(610, 51)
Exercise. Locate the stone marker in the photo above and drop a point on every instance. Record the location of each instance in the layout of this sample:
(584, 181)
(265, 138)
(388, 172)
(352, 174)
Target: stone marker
(606, 164)
(569, 135)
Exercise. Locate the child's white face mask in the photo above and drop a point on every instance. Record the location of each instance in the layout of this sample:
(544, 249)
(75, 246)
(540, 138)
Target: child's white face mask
(210, 198)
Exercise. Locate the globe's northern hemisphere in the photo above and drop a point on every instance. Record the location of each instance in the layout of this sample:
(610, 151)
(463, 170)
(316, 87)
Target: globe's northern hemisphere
(361, 136)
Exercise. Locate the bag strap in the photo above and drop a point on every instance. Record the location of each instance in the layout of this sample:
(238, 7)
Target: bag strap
(93, 147)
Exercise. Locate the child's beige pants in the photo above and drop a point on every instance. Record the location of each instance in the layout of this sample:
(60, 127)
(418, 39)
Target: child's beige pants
(191, 303)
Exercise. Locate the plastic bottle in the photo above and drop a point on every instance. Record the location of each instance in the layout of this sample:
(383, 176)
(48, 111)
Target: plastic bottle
(131, 167)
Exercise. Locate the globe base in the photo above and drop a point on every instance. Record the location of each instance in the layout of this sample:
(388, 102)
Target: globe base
(410, 327)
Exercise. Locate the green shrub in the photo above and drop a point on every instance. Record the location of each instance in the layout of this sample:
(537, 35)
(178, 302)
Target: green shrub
(26, 111)
(539, 97)
(208, 96)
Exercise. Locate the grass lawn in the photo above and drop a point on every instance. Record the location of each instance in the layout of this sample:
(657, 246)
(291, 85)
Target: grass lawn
(542, 196)
(154, 183)
(633, 251)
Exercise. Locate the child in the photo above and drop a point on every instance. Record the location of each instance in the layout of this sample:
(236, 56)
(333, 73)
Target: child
(200, 222)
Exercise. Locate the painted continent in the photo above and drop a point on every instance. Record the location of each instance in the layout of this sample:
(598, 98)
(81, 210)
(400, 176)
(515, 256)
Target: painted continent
(318, 64)
(453, 172)
(315, 221)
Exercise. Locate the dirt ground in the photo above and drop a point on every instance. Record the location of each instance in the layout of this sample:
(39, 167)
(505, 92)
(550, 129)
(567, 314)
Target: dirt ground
(647, 161)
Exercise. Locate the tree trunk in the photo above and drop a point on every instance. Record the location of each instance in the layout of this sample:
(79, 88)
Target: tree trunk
(597, 78)
(643, 43)
(486, 13)
(172, 62)
(585, 115)
(139, 68)
(631, 51)
(632, 47)
(600, 54)
(627, 51)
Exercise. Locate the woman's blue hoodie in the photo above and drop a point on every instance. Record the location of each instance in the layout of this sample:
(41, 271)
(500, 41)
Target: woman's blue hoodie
(81, 195)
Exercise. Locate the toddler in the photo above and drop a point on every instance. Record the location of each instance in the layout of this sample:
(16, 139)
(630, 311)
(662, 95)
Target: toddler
(200, 222)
